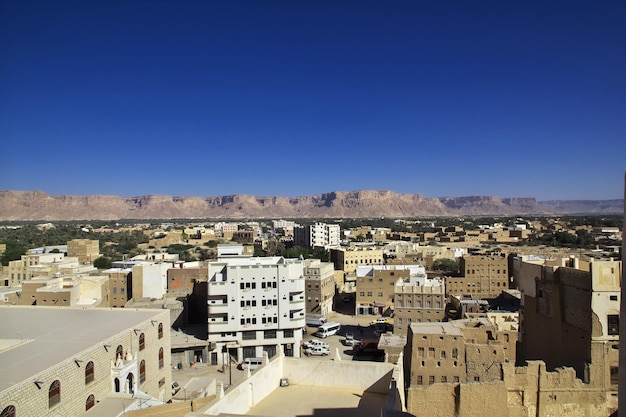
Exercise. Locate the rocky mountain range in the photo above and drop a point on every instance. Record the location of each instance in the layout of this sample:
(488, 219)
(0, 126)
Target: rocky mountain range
(37, 205)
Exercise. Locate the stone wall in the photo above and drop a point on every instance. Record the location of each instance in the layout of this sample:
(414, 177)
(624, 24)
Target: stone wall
(30, 399)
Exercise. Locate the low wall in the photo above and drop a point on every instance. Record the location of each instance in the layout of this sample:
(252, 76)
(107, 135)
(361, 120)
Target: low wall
(357, 376)
(360, 376)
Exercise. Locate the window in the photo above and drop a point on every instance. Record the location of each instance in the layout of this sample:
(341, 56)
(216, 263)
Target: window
(269, 334)
(142, 372)
(288, 333)
(419, 380)
(8, 411)
(443, 354)
(456, 379)
(91, 401)
(119, 352)
(420, 352)
(399, 321)
(431, 380)
(142, 341)
(89, 372)
(161, 358)
(369, 293)
(161, 382)
(444, 379)
(248, 335)
(614, 375)
(613, 322)
(431, 352)
(54, 393)
(362, 294)
(613, 297)
(160, 330)
(455, 353)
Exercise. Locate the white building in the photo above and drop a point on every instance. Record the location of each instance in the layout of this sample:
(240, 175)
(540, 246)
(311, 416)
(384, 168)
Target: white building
(283, 224)
(318, 235)
(255, 305)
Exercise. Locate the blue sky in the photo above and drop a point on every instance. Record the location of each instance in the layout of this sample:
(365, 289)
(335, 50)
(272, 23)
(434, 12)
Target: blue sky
(441, 98)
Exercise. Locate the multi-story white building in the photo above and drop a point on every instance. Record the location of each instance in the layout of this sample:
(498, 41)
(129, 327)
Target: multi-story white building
(283, 224)
(255, 304)
(318, 235)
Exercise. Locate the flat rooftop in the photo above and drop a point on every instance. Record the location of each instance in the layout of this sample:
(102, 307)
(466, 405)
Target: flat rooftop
(436, 328)
(35, 338)
(303, 400)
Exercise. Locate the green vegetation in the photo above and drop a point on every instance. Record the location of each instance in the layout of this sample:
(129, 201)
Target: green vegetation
(13, 252)
(103, 263)
(446, 265)
(183, 251)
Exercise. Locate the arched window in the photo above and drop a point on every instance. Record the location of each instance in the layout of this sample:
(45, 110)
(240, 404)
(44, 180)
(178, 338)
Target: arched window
(142, 341)
(8, 411)
(119, 352)
(142, 372)
(160, 330)
(161, 358)
(89, 372)
(54, 393)
(91, 401)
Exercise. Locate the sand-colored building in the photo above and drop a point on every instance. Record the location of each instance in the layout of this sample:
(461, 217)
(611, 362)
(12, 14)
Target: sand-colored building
(320, 286)
(86, 250)
(120, 286)
(568, 350)
(375, 286)
(483, 276)
(418, 300)
(69, 290)
(349, 259)
(64, 361)
(570, 317)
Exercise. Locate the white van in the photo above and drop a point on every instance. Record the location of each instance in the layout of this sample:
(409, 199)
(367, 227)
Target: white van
(251, 363)
(328, 329)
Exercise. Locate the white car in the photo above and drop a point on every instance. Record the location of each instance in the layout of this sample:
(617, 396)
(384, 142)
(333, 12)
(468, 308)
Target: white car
(349, 340)
(315, 343)
(319, 351)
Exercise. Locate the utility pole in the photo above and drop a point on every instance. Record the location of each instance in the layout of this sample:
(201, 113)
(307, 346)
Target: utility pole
(230, 371)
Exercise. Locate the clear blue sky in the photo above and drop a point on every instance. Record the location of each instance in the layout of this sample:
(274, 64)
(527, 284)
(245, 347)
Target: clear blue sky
(441, 98)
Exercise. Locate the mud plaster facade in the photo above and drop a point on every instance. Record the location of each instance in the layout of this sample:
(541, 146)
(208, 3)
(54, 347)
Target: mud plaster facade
(569, 349)
(528, 391)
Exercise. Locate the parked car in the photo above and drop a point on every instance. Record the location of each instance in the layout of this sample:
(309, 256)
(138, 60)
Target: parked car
(381, 320)
(315, 343)
(349, 340)
(175, 387)
(317, 351)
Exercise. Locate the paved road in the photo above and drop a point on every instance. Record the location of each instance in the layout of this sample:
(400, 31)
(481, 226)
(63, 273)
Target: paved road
(358, 326)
